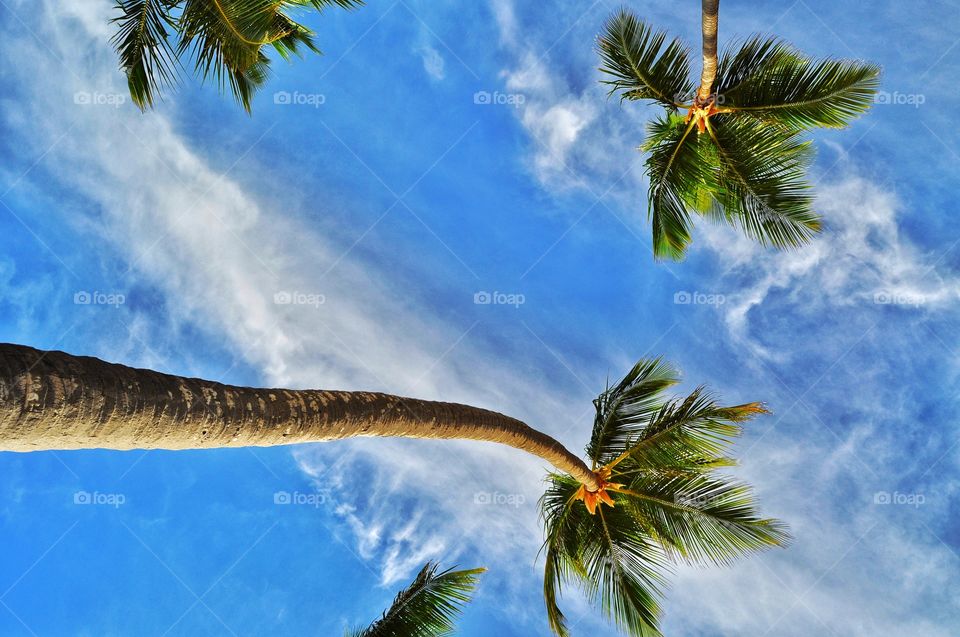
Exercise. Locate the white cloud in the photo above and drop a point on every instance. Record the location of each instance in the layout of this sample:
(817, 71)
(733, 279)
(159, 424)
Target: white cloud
(554, 118)
(861, 261)
(433, 62)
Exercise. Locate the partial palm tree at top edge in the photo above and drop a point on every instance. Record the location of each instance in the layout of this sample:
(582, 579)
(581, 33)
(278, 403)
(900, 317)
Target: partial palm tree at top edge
(731, 148)
(651, 493)
(428, 607)
(224, 38)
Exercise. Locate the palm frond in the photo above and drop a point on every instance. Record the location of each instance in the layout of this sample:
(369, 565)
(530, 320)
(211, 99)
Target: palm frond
(428, 607)
(686, 433)
(618, 567)
(801, 93)
(625, 409)
(701, 518)
(142, 41)
(761, 181)
(643, 64)
(681, 166)
(226, 39)
(741, 62)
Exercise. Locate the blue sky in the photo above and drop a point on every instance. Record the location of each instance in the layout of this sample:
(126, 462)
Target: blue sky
(385, 198)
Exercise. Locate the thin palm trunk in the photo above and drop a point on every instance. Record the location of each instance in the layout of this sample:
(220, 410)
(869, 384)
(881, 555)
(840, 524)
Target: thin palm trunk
(709, 24)
(53, 401)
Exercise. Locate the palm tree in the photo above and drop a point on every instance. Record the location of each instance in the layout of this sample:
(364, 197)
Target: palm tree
(650, 494)
(426, 608)
(746, 164)
(662, 500)
(224, 38)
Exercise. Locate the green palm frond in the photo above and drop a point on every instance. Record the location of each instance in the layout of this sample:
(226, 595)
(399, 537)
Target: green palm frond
(761, 183)
(142, 41)
(688, 433)
(426, 608)
(618, 567)
(701, 518)
(625, 409)
(225, 38)
(801, 93)
(740, 63)
(680, 169)
(642, 63)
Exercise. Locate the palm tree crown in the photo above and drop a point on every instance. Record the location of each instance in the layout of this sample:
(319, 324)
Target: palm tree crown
(663, 500)
(738, 154)
(224, 38)
(426, 608)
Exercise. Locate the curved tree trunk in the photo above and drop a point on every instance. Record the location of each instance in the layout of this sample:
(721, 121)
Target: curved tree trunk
(52, 400)
(710, 21)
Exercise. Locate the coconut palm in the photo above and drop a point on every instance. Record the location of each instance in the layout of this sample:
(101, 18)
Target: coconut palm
(650, 495)
(426, 608)
(224, 38)
(662, 500)
(732, 147)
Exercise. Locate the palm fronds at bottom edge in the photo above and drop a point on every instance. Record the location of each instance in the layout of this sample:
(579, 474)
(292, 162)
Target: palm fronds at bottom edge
(428, 607)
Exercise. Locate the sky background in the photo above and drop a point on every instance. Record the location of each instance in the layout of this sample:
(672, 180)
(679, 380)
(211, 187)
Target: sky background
(372, 188)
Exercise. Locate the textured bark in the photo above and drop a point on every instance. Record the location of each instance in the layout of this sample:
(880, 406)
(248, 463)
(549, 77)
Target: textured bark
(52, 400)
(709, 24)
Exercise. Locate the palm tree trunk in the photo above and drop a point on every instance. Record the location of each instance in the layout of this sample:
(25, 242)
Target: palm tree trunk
(52, 400)
(709, 23)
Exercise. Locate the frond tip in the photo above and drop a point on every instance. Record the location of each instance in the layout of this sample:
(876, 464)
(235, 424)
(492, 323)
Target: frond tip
(142, 42)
